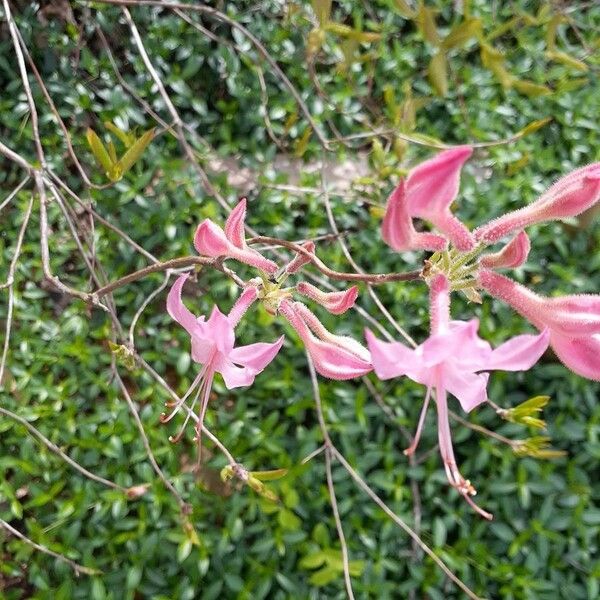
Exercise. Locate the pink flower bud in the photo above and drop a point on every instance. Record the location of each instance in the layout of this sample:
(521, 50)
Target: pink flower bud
(512, 255)
(568, 197)
(300, 259)
(336, 303)
(335, 357)
(211, 240)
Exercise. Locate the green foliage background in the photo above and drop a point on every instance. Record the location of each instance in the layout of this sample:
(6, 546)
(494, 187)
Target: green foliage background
(544, 540)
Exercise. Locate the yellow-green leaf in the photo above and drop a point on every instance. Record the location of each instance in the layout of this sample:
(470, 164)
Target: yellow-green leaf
(315, 41)
(125, 137)
(461, 33)
(566, 59)
(135, 151)
(551, 29)
(531, 89)
(302, 143)
(533, 126)
(425, 20)
(438, 74)
(98, 150)
(269, 475)
(405, 9)
(322, 9)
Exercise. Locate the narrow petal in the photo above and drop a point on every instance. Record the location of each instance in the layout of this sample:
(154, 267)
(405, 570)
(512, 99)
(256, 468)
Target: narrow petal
(234, 226)
(232, 375)
(459, 342)
(469, 388)
(581, 355)
(242, 304)
(392, 359)
(519, 353)
(253, 258)
(397, 229)
(512, 255)
(568, 197)
(178, 311)
(256, 356)
(336, 303)
(300, 259)
(454, 229)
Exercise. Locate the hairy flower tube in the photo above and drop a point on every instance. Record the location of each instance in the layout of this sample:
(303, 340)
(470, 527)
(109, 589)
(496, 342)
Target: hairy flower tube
(212, 343)
(455, 360)
(573, 321)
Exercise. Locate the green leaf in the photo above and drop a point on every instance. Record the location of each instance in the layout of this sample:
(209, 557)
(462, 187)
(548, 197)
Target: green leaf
(531, 89)
(322, 10)
(324, 576)
(425, 20)
(312, 561)
(533, 126)
(462, 33)
(135, 151)
(99, 150)
(269, 475)
(568, 60)
(438, 74)
(125, 137)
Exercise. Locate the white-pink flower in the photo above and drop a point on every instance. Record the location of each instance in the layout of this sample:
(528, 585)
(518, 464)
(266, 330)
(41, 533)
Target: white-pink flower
(455, 360)
(212, 343)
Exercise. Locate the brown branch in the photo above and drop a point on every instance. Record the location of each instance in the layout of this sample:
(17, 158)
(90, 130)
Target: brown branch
(375, 278)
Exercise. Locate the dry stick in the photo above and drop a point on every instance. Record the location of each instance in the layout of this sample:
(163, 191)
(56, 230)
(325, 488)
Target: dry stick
(216, 14)
(54, 448)
(480, 429)
(14, 192)
(16, 158)
(182, 504)
(79, 569)
(338, 524)
(10, 284)
(362, 484)
(143, 307)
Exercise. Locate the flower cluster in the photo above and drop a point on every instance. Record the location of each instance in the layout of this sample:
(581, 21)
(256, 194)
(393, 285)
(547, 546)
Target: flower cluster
(454, 359)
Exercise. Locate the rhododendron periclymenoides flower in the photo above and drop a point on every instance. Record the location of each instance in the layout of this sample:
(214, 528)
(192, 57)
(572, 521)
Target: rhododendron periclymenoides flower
(213, 342)
(453, 360)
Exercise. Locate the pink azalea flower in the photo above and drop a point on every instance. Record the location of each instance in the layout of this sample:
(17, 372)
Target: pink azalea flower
(213, 347)
(568, 197)
(427, 193)
(300, 259)
(454, 359)
(573, 321)
(211, 240)
(334, 356)
(510, 256)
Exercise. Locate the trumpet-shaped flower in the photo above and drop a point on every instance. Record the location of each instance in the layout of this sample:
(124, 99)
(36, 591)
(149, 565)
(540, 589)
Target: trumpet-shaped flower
(211, 240)
(212, 343)
(427, 193)
(300, 259)
(573, 321)
(336, 303)
(455, 360)
(512, 255)
(334, 356)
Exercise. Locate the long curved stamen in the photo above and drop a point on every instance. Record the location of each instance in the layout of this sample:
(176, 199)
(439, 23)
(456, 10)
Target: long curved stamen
(175, 439)
(177, 405)
(203, 406)
(411, 449)
(462, 485)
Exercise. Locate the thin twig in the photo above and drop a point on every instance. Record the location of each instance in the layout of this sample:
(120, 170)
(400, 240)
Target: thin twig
(14, 193)
(79, 569)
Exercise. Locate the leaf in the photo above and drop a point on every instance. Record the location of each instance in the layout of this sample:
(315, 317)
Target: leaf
(261, 489)
(462, 33)
(322, 10)
(99, 150)
(438, 74)
(494, 61)
(551, 30)
(135, 151)
(531, 89)
(302, 143)
(425, 20)
(533, 126)
(405, 9)
(269, 475)
(566, 59)
(312, 561)
(324, 576)
(125, 137)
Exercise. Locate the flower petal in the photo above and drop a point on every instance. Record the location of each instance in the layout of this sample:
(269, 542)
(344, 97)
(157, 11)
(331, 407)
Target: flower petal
(392, 359)
(469, 388)
(581, 355)
(256, 356)
(220, 330)
(234, 226)
(519, 353)
(210, 240)
(232, 375)
(178, 311)
(512, 255)
(301, 259)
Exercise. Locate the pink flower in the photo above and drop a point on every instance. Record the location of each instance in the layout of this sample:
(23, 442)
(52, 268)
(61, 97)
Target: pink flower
(427, 193)
(512, 255)
(336, 303)
(211, 240)
(451, 361)
(568, 197)
(300, 259)
(573, 321)
(334, 356)
(213, 347)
